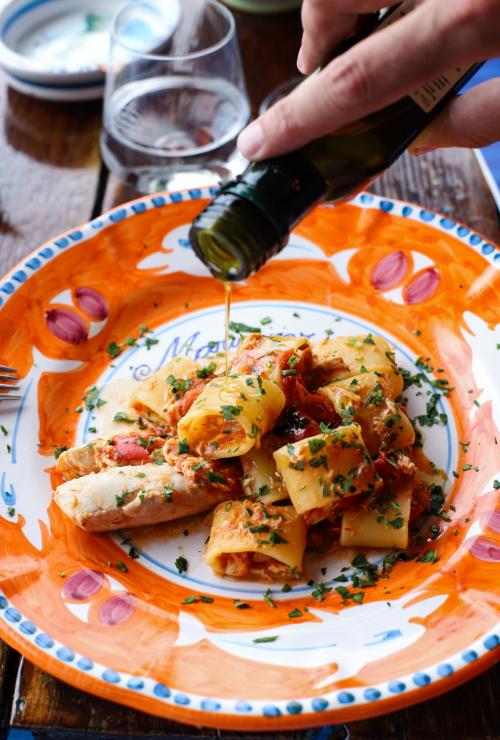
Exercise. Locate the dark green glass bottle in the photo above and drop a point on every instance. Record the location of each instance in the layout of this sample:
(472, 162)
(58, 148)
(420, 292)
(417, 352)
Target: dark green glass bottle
(250, 218)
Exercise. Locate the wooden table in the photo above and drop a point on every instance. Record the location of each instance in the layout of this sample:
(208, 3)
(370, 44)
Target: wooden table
(51, 179)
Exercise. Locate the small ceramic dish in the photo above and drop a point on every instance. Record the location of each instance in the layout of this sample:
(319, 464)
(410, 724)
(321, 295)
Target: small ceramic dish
(58, 49)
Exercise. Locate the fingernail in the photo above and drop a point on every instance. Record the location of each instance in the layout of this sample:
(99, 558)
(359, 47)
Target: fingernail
(250, 140)
(300, 61)
(419, 150)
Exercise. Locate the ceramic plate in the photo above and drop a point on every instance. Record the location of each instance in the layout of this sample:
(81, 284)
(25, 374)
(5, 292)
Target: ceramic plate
(78, 606)
(58, 49)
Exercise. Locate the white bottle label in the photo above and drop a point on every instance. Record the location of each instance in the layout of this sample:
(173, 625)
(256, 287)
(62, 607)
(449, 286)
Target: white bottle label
(428, 95)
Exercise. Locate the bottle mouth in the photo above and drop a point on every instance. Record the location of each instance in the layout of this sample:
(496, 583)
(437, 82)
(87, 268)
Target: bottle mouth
(233, 237)
(219, 255)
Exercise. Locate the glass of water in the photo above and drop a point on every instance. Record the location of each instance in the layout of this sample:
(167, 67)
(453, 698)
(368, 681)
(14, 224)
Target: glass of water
(175, 97)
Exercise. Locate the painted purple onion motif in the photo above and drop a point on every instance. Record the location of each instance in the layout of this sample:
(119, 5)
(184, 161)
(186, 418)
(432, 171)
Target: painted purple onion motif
(492, 521)
(486, 549)
(83, 584)
(66, 325)
(116, 610)
(422, 287)
(92, 303)
(389, 271)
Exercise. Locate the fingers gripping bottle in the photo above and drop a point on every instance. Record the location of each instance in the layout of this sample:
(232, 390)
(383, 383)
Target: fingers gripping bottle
(250, 218)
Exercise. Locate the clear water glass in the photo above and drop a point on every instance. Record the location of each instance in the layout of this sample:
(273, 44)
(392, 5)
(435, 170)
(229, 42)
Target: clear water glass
(175, 97)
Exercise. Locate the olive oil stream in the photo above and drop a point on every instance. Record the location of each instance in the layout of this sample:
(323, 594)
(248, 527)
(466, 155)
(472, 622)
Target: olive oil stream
(227, 300)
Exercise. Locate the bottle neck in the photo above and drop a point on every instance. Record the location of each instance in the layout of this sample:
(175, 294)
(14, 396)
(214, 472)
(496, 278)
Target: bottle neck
(284, 188)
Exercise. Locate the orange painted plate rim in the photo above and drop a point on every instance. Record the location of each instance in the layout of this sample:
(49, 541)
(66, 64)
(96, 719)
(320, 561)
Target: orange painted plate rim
(346, 705)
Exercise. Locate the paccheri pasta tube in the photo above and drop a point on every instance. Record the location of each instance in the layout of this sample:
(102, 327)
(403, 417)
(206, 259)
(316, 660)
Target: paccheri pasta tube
(251, 540)
(272, 357)
(345, 357)
(378, 522)
(367, 400)
(231, 415)
(260, 479)
(168, 394)
(320, 472)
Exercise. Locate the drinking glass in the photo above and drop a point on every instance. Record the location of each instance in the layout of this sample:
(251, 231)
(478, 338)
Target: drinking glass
(175, 97)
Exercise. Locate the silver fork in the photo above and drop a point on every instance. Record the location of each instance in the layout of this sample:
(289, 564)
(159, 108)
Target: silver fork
(7, 378)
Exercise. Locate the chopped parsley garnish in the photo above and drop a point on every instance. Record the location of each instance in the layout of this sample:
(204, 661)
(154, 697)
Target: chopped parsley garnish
(347, 415)
(168, 492)
(368, 339)
(319, 591)
(376, 397)
(121, 566)
(59, 450)
(287, 373)
(207, 370)
(276, 539)
(496, 484)
(120, 498)
(299, 465)
(266, 320)
(90, 398)
(436, 500)
(258, 528)
(325, 429)
(148, 342)
(11, 511)
(294, 614)
(215, 477)
(4, 430)
(254, 431)
(241, 604)
(267, 598)
(179, 386)
(315, 444)
(317, 461)
(198, 466)
(133, 552)
(429, 556)
(181, 564)
(183, 446)
(240, 328)
(263, 490)
(122, 416)
(271, 638)
(229, 412)
(113, 349)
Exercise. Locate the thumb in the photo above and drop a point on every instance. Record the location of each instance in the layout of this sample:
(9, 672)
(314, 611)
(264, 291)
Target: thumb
(470, 120)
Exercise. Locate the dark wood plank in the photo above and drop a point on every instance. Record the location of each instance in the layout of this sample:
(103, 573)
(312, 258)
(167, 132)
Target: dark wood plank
(449, 181)
(49, 170)
(48, 705)
(9, 663)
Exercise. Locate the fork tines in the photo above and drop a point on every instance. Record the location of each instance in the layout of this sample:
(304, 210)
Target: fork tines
(8, 377)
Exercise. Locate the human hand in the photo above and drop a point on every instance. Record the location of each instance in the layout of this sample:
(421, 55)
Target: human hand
(391, 63)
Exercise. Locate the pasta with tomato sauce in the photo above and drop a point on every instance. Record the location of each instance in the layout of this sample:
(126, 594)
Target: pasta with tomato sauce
(300, 443)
